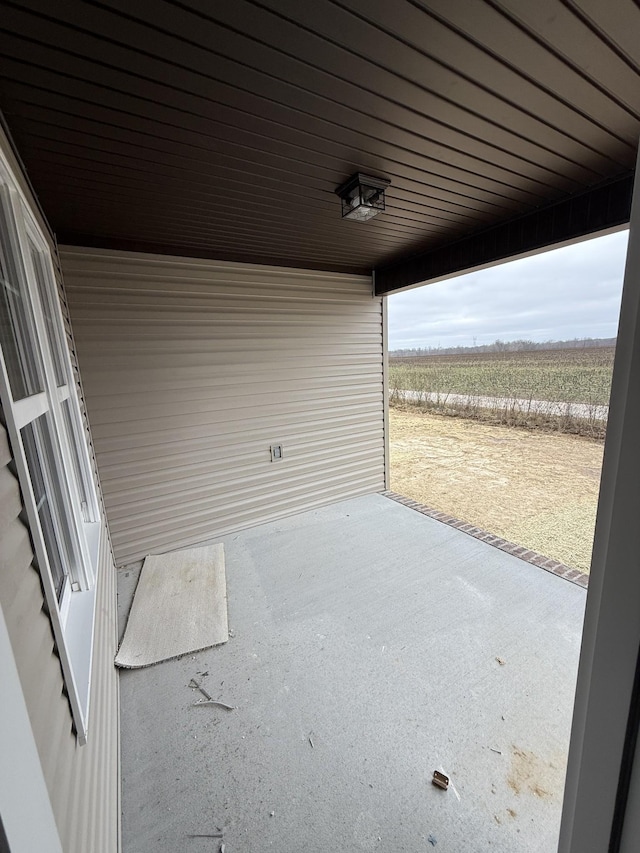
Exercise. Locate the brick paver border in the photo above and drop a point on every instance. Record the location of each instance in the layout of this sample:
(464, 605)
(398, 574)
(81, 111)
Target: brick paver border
(525, 554)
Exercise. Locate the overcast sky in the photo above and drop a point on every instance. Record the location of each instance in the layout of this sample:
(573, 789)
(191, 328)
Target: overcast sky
(566, 293)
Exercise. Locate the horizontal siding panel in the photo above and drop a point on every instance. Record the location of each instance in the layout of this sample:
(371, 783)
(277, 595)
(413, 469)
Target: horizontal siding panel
(196, 377)
(276, 290)
(36, 641)
(137, 274)
(230, 355)
(237, 323)
(208, 466)
(241, 405)
(18, 586)
(238, 334)
(284, 426)
(88, 800)
(146, 459)
(92, 817)
(16, 548)
(303, 315)
(235, 513)
(10, 502)
(159, 361)
(319, 346)
(165, 270)
(243, 306)
(83, 782)
(245, 493)
(115, 439)
(197, 484)
(233, 286)
(177, 391)
(56, 763)
(190, 531)
(192, 369)
(210, 462)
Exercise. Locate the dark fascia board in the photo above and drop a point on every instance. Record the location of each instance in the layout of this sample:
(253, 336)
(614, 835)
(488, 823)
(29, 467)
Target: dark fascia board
(603, 208)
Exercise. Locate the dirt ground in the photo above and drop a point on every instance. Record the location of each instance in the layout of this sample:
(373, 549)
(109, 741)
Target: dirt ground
(537, 489)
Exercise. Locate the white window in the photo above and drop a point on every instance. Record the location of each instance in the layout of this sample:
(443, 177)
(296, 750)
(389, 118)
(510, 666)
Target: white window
(45, 427)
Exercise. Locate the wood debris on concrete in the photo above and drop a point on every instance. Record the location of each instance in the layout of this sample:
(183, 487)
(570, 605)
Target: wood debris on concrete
(440, 780)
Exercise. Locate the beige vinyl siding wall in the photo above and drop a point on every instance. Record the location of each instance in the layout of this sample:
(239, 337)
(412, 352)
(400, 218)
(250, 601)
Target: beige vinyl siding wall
(193, 368)
(83, 781)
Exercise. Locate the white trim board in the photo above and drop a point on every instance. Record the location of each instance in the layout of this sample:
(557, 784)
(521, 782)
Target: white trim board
(611, 637)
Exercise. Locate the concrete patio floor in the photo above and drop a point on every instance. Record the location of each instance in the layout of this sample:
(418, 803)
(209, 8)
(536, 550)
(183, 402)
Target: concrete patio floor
(371, 646)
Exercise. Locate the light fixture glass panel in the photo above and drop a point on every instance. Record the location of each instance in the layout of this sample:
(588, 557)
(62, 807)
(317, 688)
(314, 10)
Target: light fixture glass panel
(362, 197)
(362, 213)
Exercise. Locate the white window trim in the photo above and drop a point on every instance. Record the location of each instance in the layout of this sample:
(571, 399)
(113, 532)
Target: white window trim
(28, 232)
(73, 616)
(27, 410)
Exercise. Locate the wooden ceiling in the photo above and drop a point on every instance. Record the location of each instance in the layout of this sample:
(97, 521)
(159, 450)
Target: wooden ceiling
(221, 129)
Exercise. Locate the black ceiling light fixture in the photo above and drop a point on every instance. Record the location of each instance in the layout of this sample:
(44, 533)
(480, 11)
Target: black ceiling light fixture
(362, 196)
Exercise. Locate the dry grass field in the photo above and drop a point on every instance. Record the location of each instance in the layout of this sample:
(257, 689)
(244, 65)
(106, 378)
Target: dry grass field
(581, 375)
(534, 488)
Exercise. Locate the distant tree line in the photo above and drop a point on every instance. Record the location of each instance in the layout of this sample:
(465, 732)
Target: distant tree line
(507, 346)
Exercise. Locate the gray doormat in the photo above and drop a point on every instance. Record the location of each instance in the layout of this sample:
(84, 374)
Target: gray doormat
(180, 606)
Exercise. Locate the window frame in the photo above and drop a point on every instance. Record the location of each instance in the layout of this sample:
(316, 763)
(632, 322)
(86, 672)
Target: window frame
(75, 504)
